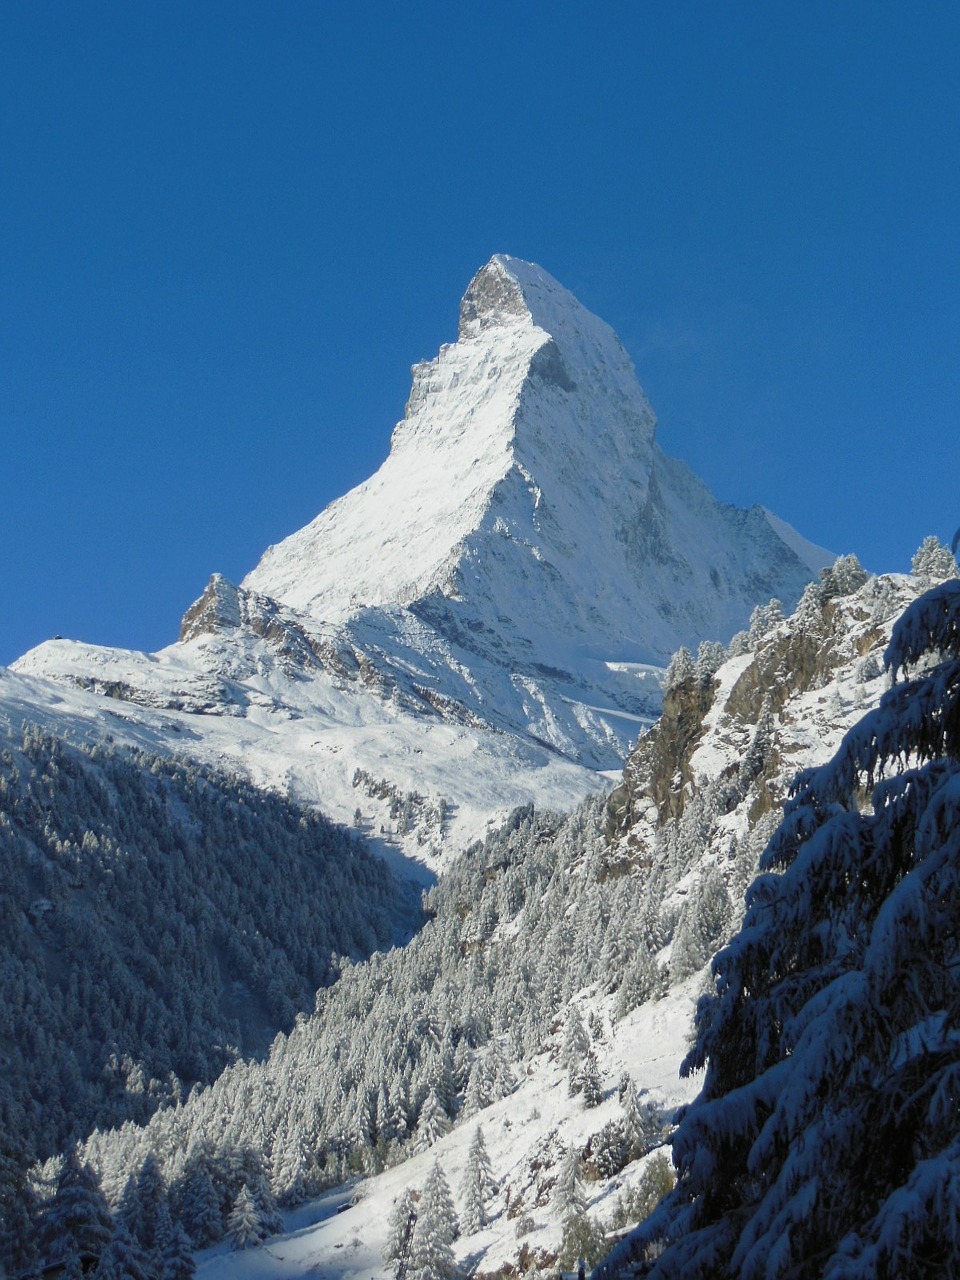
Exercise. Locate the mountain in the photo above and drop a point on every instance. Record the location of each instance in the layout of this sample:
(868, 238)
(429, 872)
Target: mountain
(482, 623)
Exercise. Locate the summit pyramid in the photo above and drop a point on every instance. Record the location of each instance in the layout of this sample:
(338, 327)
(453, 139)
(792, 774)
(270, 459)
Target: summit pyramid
(525, 495)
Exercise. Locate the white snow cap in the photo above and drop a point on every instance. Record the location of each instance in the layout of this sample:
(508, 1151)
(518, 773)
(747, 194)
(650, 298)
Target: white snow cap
(535, 386)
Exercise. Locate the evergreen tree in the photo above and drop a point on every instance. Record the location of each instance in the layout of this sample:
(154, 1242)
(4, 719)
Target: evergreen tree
(711, 655)
(933, 562)
(77, 1220)
(243, 1225)
(568, 1192)
(18, 1216)
(123, 1259)
(590, 1083)
(478, 1185)
(175, 1254)
(436, 1227)
(582, 1238)
(642, 1125)
(576, 1042)
(144, 1206)
(680, 670)
(824, 1142)
(400, 1232)
(479, 1090)
(433, 1123)
(842, 578)
(198, 1202)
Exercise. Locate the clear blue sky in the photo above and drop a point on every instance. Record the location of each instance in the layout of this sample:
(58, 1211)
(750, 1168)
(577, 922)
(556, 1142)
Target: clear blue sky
(228, 229)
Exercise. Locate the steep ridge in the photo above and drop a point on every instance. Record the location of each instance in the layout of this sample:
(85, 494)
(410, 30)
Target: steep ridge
(483, 622)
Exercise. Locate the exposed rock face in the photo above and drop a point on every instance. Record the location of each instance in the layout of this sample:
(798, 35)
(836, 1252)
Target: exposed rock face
(218, 609)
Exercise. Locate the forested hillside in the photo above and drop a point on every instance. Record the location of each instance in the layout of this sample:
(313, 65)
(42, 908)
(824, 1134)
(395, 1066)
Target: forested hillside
(824, 1142)
(540, 941)
(157, 921)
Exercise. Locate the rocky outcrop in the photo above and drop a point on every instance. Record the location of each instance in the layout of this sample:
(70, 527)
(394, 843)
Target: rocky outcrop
(782, 694)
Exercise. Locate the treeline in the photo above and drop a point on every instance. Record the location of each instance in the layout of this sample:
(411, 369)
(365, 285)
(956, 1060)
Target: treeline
(157, 922)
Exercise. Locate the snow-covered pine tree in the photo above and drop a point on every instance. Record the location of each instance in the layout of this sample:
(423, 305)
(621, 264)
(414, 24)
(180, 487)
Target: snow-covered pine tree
(477, 1094)
(432, 1124)
(642, 1125)
(123, 1259)
(400, 1232)
(825, 1142)
(568, 1192)
(175, 1254)
(143, 1205)
(478, 1185)
(77, 1220)
(18, 1216)
(590, 1084)
(197, 1199)
(243, 1224)
(436, 1227)
(680, 669)
(933, 562)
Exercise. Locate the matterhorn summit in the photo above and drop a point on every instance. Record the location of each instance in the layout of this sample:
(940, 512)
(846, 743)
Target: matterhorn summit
(506, 432)
(526, 515)
(484, 621)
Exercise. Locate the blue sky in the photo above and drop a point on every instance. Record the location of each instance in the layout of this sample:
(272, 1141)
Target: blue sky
(228, 229)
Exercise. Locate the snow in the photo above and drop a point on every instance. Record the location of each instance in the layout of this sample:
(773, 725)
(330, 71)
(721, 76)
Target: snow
(648, 1044)
(815, 557)
(484, 621)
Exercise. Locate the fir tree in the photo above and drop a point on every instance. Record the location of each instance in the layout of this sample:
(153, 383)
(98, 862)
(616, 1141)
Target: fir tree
(568, 1193)
(400, 1232)
(18, 1216)
(680, 670)
(77, 1220)
(243, 1225)
(642, 1125)
(436, 1227)
(175, 1254)
(433, 1123)
(199, 1203)
(590, 1083)
(478, 1185)
(933, 562)
(123, 1259)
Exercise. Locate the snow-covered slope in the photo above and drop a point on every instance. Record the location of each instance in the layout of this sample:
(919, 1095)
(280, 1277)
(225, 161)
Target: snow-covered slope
(483, 622)
(619, 926)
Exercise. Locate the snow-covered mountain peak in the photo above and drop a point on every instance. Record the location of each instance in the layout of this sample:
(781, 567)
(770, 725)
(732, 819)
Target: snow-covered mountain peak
(507, 292)
(512, 580)
(535, 385)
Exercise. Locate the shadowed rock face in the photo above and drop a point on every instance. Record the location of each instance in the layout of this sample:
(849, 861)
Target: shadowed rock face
(491, 295)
